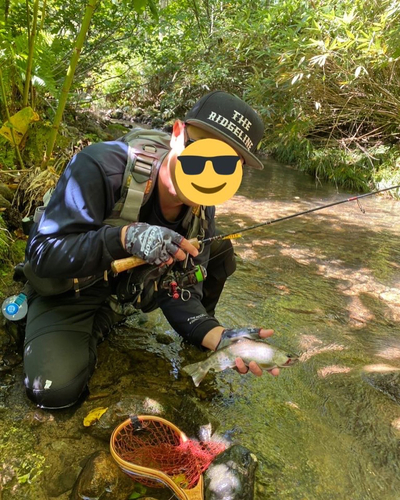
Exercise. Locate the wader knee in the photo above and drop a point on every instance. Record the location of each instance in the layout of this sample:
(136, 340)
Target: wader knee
(57, 368)
(222, 261)
(57, 397)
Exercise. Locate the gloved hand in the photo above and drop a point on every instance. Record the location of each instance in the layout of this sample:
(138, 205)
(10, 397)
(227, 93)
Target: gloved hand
(154, 244)
(231, 335)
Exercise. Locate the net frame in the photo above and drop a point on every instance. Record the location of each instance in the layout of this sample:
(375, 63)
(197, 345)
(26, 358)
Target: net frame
(151, 476)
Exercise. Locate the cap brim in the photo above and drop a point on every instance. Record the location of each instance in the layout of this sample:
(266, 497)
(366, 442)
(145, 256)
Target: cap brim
(250, 160)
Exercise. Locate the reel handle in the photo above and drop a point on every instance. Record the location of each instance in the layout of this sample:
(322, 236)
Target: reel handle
(120, 265)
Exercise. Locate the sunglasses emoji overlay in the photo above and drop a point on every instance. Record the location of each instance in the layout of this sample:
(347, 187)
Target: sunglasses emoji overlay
(208, 172)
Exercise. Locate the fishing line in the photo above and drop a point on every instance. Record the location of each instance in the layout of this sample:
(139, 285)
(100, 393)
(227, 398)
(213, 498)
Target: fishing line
(236, 235)
(298, 214)
(120, 265)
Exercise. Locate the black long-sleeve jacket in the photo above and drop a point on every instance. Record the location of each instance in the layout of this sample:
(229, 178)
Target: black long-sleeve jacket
(71, 239)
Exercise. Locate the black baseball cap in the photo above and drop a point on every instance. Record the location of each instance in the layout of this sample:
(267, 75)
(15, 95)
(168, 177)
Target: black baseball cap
(231, 120)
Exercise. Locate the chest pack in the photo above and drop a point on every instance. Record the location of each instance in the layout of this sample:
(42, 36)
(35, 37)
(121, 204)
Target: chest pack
(146, 152)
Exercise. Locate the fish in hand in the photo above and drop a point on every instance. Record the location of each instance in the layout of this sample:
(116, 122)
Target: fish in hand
(265, 355)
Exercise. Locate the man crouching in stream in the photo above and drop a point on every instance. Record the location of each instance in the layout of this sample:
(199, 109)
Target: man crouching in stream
(114, 200)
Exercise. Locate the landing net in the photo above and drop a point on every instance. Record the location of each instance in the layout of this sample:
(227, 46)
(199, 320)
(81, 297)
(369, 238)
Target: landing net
(147, 444)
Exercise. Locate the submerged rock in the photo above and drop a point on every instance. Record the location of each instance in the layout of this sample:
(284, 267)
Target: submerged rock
(101, 478)
(231, 475)
(195, 416)
(118, 412)
(388, 383)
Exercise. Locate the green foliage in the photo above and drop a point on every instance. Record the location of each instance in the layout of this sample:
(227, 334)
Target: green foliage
(17, 253)
(19, 442)
(7, 154)
(10, 251)
(57, 31)
(324, 75)
(35, 143)
(335, 82)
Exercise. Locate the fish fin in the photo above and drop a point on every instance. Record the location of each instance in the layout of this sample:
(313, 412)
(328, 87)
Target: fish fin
(196, 371)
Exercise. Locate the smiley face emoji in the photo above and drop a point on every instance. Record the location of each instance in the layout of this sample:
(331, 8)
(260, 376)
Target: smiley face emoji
(208, 172)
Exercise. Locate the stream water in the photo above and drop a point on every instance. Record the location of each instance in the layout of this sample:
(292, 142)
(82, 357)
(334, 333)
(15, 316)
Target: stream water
(328, 284)
(326, 428)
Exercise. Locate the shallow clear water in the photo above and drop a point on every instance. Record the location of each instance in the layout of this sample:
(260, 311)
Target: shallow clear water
(328, 284)
(326, 428)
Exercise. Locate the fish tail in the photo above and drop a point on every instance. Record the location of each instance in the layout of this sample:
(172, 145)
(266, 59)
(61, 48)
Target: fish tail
(196, 371)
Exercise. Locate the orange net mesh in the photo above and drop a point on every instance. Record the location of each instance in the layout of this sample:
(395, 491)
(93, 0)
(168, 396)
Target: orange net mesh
(155, 445)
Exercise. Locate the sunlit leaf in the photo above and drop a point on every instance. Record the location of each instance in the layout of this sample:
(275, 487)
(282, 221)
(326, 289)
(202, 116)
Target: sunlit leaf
(320, 60)
(139, 5)
(358, 71)
(348, 18)
(153, 9)
(181, 480)
(139, 490)
(19, 123)
(297, 77)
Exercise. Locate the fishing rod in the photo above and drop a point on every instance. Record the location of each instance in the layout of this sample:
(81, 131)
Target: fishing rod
(236, 234)
(120, 265)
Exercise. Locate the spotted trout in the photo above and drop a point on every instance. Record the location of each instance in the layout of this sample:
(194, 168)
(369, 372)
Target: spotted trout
(265, 355)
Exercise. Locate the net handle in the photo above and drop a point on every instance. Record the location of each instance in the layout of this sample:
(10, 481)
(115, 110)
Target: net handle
(196, 493)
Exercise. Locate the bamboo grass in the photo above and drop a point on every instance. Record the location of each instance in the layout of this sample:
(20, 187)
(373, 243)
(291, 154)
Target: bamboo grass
(4, 96)
(43, 16)
(367, 108)
(68, 80)
(29, 64)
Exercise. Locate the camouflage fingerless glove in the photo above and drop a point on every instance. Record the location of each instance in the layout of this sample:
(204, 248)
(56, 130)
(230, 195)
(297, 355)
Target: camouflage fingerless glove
(154, 244)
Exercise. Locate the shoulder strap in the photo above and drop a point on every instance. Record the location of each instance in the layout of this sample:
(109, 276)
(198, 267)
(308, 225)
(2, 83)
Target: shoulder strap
(137, 180)
(146, 150)
(195, 222)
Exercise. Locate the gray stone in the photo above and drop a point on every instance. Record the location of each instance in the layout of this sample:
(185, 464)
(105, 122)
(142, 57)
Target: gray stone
(101, 478)
(231, 475)
(195, 416)
(118, 413)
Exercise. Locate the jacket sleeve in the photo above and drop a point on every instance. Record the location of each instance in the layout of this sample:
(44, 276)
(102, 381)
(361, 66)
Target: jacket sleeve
(189, 318)
(71, 239)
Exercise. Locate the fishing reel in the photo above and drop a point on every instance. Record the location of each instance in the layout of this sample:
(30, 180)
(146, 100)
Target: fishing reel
(140, 285)
(177, 281)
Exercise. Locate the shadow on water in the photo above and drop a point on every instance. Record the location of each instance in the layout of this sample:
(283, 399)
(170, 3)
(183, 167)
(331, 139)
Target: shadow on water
(328, 284)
